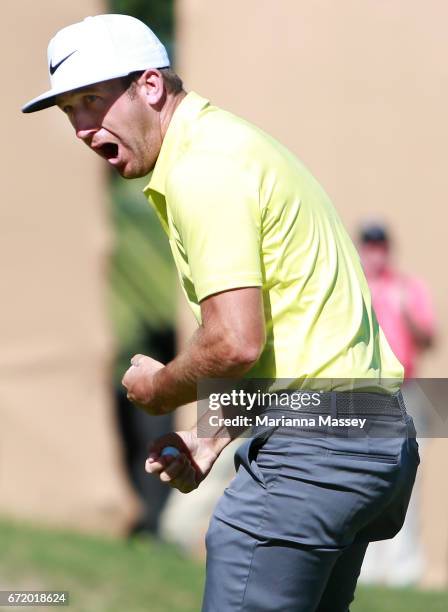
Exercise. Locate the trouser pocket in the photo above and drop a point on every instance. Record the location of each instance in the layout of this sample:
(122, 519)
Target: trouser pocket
(246, 455)
(366, 456)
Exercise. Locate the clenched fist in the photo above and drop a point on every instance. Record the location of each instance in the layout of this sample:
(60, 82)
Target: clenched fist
(187, 470)
(139, 383)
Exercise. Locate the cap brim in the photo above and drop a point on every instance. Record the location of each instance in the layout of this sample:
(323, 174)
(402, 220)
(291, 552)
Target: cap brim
(45, 100)
(48, 98)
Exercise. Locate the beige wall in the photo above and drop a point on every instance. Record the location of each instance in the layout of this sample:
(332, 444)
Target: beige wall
(359, 91)
(59, 458)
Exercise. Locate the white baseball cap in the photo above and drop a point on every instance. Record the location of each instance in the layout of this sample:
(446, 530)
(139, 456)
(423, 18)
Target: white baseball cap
(98, 49)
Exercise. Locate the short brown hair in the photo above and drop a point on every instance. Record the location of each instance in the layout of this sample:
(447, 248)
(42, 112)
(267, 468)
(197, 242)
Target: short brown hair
(173, 82)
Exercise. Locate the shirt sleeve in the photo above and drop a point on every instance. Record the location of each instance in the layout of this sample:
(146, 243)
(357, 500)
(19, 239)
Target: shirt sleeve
(215, 209)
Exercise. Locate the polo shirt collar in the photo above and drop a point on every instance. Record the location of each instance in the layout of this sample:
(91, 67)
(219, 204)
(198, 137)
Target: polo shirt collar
(175, 138)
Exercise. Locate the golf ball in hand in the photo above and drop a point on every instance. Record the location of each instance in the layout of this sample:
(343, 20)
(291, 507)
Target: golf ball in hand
(170, 450)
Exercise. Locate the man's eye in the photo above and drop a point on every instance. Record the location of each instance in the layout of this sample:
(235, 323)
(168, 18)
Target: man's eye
(67, 109)
(91, 98)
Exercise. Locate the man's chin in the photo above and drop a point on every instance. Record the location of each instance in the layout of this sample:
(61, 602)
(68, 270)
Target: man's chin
(130, 173)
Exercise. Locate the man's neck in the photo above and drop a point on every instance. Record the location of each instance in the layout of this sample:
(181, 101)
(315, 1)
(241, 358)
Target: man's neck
(167, 113)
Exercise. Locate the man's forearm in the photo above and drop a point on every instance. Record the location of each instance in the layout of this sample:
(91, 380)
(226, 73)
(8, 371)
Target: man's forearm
(207, 355)
(422, 336)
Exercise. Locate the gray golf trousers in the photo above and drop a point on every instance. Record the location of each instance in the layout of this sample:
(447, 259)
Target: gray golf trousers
(290, 532)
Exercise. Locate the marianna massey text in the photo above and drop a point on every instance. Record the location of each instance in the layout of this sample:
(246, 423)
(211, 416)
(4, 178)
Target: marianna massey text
(285, 421)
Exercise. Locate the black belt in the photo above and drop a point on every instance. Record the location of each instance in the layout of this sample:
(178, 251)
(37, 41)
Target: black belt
(357, 403)
(348, 407)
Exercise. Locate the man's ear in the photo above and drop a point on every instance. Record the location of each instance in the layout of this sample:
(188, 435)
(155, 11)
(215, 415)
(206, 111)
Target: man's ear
(154, 87)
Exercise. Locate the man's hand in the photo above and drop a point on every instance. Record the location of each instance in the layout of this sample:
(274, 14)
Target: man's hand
(185, 471)
(138, 381)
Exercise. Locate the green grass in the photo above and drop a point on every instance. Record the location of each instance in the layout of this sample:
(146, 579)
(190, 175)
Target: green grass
(102, 575)
(106, 575)
(398, 600)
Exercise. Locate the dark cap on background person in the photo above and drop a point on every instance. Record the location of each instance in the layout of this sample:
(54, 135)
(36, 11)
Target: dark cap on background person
(374, 232)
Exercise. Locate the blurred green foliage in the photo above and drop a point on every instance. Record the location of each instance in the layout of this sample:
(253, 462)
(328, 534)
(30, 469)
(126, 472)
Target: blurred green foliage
(157, 14)
(142, 288)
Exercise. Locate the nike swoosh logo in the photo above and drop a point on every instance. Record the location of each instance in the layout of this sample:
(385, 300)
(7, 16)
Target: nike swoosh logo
(54, 68)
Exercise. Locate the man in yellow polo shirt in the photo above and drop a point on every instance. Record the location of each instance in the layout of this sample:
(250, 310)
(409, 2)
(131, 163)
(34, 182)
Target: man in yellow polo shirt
(241, 211)
(278, 292)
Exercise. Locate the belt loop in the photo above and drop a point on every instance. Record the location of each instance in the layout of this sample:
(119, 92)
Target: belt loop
(333, 405)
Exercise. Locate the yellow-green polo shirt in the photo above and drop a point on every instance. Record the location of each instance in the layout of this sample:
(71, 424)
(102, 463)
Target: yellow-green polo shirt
(240, 210)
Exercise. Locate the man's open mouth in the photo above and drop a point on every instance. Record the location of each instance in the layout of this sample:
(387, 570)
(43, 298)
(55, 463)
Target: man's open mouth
(108, 150)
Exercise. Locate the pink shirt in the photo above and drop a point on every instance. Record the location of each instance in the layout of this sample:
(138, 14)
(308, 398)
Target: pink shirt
(394, 295)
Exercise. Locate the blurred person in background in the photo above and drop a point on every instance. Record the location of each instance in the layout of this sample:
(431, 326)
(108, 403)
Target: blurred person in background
(401, 301)
(403, 306)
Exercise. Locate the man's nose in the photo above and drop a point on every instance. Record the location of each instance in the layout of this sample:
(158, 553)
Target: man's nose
(85, 125)
(85, 133)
